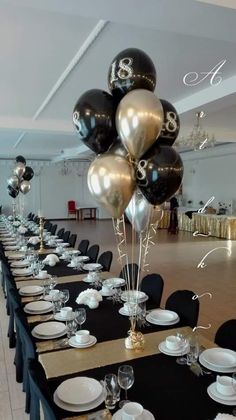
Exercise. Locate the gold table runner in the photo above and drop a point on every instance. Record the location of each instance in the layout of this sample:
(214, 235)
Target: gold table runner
(65, 362)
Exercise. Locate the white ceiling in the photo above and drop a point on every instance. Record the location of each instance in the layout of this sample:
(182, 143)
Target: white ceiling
(54, 50)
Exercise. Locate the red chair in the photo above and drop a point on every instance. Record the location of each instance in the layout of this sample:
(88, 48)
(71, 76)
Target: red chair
(71, 207)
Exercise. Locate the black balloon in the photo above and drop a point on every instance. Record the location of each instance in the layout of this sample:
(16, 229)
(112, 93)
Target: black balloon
(13, 192)
(94, 120)
(20, 159)
(170, 126)
(159, 173)
(131, 69)
(29, 173)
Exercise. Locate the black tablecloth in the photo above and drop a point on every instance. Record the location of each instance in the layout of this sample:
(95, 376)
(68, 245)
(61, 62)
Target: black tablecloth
(168, 390)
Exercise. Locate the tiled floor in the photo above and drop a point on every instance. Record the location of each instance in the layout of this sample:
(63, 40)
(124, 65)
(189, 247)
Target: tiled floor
(175, 258)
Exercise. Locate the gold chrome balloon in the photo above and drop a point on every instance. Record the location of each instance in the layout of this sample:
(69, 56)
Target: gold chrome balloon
(25, 187)
(111, 182)
(139, 119)
(19, 169)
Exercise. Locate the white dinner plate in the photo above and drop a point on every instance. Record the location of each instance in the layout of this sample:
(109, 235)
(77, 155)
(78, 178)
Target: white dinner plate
(220, 358)
(134, 296)
(114, 282)
(80, 390)
(38, 306)
(214, 368)
(11, 247)
(50, 328)
(147, 415)
(163, 315)
(82, 258)
(31, 290)
(64, 244)
(164, 349)
(9, 242)
(222, 399)
(92, 267)
(73, 343)
(16, 256)
(162, 323)
(80, 407)
(20, 264)
(21, 272)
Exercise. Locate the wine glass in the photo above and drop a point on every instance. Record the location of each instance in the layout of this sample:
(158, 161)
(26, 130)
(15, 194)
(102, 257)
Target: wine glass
(183, 342)
(52, 282)
(125, 380)
(80, 316)
(65, 295)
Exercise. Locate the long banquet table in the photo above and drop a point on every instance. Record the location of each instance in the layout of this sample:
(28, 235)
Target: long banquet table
(168, 390)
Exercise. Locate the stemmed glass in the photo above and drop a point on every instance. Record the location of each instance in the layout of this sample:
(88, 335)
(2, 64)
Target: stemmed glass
(125, 380)
(183, 342)
(52, 282)
(65, 295)
(80, 316)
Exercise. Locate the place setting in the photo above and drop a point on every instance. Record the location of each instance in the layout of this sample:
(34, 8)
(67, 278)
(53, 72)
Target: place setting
(223, 390)
(31, 290)
(79, 394)
(38, 307)
(219, 360)
(175, 345)
(49, 330)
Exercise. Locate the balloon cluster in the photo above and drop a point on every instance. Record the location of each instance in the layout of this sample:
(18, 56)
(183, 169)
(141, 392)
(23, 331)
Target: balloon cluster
(132, 131)
(20, 180)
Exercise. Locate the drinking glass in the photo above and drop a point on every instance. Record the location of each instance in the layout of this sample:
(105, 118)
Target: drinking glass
(65, 295)
(71, 326)
(183, 342)
(125, 380)
(192, 355)
(57, 303)
(111, 390)
(80, 316)
(52, 282)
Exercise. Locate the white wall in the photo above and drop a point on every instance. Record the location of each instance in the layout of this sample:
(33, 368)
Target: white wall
(212, 176)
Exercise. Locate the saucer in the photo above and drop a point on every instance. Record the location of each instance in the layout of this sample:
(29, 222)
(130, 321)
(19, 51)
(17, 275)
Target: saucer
(147, 415)
(59, 317)
(164, 349)
(220, 398)
(73, 343)
(122, 311)
(42, 278)
(107, 294)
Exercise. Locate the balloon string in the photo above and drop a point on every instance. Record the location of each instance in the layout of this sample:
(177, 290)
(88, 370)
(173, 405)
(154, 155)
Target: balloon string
(149, 241)
(201, 327)
(120, 240)
(126, 248)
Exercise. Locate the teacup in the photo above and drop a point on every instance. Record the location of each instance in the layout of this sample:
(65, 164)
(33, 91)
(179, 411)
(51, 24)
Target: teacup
(66, 311)
(132, 411)
(42, 274)
(225, 385)
(173, 342)
(106, 289)
(54, 292)
(82, 336)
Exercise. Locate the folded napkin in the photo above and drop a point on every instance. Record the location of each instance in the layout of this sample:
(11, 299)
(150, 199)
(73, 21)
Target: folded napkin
(34, 240)
(51, 259)
(222, 416)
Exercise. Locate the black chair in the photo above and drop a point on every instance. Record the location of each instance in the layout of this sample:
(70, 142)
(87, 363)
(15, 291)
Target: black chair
(47, 224)
(15, 303)
(105, 260)
(28, 351)
(152, 285)
(66, 236)
(60, 233)
(83, 246)
(72, 240)
(53, 229)
(92, 253)
(188, 309)
(40, 392)
(29, 216)
(129, 273)
(226, 335)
